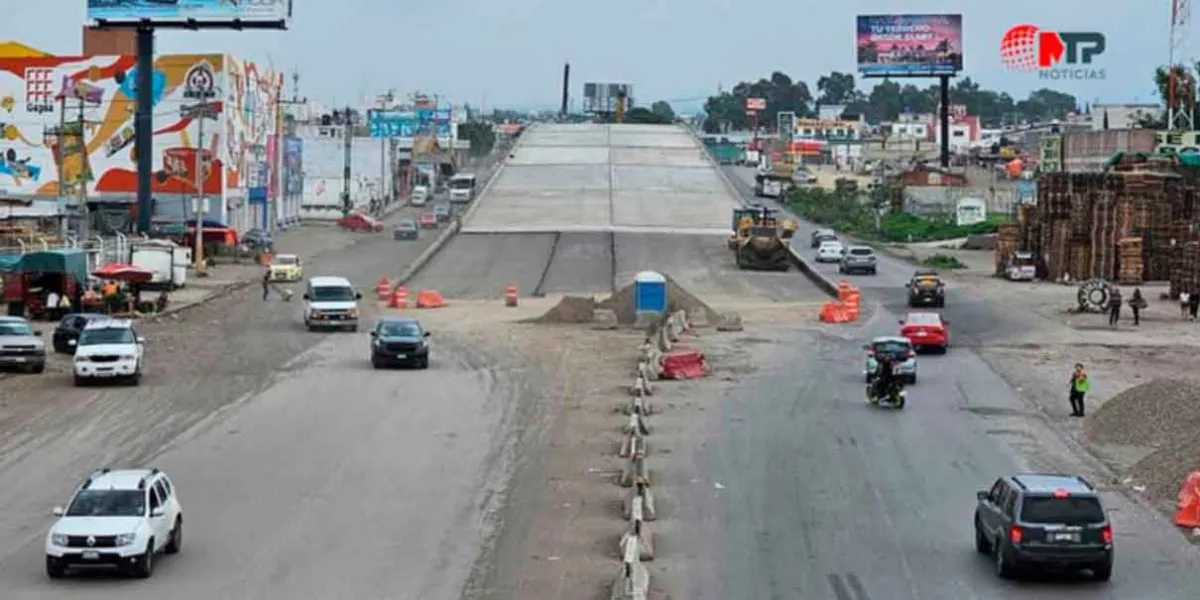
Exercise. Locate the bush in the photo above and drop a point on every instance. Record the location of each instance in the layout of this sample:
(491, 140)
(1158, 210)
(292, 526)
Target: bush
(904, 227)
(853, 213)
(840, 210)
(941, 261)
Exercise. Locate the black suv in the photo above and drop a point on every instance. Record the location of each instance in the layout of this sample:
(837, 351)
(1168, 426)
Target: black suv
(926, 289)
(1044, 522)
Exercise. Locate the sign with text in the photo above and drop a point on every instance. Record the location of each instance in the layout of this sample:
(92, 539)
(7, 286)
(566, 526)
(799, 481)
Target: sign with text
(219, 11)
(407, 124)
(1178, 142)
(756, 104)
(1052, 54)
(909, 45)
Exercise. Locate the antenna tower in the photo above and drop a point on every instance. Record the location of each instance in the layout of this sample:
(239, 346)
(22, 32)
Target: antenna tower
(1180, 117)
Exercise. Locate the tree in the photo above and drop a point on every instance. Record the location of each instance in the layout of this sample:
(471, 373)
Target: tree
(727, 110)
(836, 88)
(663, 109)
(480, 134)
(1185, 95)
(646, 116)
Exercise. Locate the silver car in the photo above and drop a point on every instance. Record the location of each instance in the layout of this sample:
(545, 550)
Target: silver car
(20, 346)
(904, 356)
(859, 259)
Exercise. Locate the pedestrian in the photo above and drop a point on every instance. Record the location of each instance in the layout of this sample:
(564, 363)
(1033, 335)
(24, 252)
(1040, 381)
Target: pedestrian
(1114, 306)
(1184, 302)
(1080, 385)
(1137, 303)
(266, 283)
(1193, 305)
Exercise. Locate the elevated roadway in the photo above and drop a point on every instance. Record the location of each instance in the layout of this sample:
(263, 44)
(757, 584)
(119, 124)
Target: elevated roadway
(583, 208)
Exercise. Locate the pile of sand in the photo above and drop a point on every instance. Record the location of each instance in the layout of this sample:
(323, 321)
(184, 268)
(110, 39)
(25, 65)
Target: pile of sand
(574, 309)
(1162, 415)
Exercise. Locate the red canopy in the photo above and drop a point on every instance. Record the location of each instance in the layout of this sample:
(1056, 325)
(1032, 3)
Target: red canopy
(124, 272)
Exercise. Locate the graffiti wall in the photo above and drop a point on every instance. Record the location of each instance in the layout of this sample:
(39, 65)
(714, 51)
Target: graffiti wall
(213, 118)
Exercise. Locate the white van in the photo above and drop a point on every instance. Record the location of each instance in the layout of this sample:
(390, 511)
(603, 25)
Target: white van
(420, 195)
(462, 188)
(331, 302)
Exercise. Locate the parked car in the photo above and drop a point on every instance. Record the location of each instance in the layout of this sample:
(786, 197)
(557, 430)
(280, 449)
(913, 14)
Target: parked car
(429, 221)
(399, 341)
(926, 330)
(257, 240)
(359, 222)
(406, 230)
(66, 334)
(443, 212)
(20, 346)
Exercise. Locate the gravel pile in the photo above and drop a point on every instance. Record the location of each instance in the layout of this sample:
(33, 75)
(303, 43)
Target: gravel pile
(1163, 414)
(571, 309)
(678, 298)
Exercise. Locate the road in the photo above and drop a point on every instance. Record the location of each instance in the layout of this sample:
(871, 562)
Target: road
(303, 473)
(822, 496)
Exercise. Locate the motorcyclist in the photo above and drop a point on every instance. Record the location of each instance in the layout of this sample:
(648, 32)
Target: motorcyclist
(885, 377)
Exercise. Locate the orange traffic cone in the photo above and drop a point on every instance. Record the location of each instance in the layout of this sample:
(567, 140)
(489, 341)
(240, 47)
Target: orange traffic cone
(400, 297)
(510, 296)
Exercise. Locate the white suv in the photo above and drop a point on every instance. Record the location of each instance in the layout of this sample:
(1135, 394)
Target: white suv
(116, 519)
(109, 349)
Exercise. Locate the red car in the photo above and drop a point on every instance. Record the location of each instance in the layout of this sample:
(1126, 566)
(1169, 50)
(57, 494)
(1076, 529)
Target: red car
(926, 330)
(428, 221)
(359, 222)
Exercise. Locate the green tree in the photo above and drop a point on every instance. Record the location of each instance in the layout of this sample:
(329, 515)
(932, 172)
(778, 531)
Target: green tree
(1185, 94)
(663, 109)
(727, 110)
(646, 116)
(836, 88)
(480, 134)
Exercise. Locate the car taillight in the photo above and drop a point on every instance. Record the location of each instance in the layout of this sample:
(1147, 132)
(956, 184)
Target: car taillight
(1014, 534)
(915, 289)
(871, 353)
(910, 354)
(1106, 533)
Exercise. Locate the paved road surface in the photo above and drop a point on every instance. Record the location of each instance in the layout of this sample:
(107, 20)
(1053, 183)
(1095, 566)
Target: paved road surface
(304, 474)
(824, 497)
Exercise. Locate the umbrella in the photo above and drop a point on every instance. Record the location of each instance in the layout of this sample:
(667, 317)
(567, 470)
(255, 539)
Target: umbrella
(124, 272)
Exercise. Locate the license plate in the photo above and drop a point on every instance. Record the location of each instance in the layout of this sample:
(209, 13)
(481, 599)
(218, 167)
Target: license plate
(1064, 537)
(401, 356)
(90, 555)
(921, 332)
(19, 359)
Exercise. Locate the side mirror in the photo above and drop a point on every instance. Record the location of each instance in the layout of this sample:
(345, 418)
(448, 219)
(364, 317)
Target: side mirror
(426, 334)
(71, 342)
(983, 495)
(866, 346)
(38, 333)
(901, 321)
(58, 511)
(358, 295)
(374, 334)
(141, 340)
(158, 512)
(305, 296)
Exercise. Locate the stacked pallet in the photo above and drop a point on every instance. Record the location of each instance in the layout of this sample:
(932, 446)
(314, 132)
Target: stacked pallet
(1079, 262)
(1008, 242)
(1185, 276)
(1129, 260)
(1103, 237)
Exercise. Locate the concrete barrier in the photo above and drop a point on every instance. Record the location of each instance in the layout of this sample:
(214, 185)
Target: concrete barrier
(731, 321)
(603, 318)
(819, 279)
(635, 471)
(698, 317)
(638, 532)
(634, 581)
(642, 492)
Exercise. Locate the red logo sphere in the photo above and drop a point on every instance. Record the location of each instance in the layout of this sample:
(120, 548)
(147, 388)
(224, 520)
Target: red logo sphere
(1018, 48)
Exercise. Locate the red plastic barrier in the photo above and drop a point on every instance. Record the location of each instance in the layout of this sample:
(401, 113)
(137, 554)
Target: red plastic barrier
(1188, 513)
(683, 364)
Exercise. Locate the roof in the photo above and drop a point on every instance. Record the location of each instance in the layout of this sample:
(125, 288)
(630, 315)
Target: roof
(1049, 483)
(399, 319)
(890, 338)
(109, 324)
(11, 49)
(463, 176)
(8, 319)
(328, 281)
(122, 479)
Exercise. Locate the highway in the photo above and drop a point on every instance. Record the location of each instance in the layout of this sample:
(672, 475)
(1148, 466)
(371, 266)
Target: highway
(824, 497)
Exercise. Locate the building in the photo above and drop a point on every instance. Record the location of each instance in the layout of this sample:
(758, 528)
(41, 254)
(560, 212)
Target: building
(1122, 115)
(216, 126)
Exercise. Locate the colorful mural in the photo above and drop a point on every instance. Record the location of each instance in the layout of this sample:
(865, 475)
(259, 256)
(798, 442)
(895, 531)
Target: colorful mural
(234, 99)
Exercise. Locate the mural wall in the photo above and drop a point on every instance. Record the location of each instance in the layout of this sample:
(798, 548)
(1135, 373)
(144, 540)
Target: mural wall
(235, 101)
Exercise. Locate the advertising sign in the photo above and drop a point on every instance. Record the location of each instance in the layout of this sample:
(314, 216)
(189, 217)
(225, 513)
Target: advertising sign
(909, 45)
(293, 166)
(1178, 142)
(756, 104)
(407, 124)
(1053, 54)
(786, 124)
(166, 11)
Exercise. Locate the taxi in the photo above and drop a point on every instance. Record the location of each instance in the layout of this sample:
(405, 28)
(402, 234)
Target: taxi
(286, 267)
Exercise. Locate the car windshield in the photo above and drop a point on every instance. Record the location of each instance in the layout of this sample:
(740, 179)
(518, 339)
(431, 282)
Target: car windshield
(406, 225)
(441, 208)
(106, 335)
(460, 184)
(1072, 510)
(861, 251)
(332, 294)
(892, 347)
(108, 503)
(399, 329)
(831, 246)
(15, 328)
(924, 319)
(285, 261)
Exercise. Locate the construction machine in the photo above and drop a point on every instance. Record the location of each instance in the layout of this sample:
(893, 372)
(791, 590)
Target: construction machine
(760, 239)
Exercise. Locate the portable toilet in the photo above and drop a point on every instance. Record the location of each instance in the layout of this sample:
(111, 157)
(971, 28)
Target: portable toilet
(650, 293)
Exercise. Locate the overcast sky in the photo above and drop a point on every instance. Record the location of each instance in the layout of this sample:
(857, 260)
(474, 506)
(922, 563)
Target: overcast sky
(505, 53)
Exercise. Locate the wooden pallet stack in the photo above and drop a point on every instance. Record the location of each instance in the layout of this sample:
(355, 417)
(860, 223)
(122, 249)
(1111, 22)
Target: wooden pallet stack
(1008, 242)
(1129, 260)
(1185, 276)
(1103, 238)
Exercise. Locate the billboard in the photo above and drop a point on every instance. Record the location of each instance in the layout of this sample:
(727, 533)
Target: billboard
(599, 97)
(909, 45)
(756, 104)
(219, 11)
(407, 124)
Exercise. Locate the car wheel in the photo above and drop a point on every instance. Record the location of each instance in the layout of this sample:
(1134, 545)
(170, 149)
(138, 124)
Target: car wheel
(145, 567)
(354, 329)
(982, 545)
(867, 379)
(912, 379)
(53, 569)
(1102, 571)
(175, 544)
(1004, 568)
(38, 368)
(872, 271)
(423, 363)
(376, 363)
(80, 381)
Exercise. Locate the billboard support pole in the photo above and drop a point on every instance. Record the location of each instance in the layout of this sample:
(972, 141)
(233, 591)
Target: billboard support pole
(144, 126)
(944, 117)
(348, 137)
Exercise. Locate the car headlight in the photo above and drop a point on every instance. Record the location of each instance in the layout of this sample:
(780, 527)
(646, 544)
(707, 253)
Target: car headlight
(81, 359)
(126, 539)
(353, 314)
(316, 314)
(127, 357)
(58, 539)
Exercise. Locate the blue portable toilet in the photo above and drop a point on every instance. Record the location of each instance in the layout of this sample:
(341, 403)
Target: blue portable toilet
(650, 293)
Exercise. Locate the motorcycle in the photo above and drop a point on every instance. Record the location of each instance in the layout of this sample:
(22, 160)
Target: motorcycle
(895, 397)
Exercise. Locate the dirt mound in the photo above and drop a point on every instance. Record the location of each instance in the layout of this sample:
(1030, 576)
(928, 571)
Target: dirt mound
(678, 299)
(575, 309)
(571, 309)
(1162, 413)
(1164, 471)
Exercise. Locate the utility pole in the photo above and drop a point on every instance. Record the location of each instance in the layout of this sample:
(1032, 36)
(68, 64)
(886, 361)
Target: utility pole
(348, 133)
(296, 100)
(83, 173)
(385, 102)
(200, 200)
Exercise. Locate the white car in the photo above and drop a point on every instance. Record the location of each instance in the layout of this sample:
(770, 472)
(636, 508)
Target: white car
(118, 519)
(830, 251)
(109, 349)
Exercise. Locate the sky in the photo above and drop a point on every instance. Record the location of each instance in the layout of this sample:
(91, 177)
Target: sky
(510, 53)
